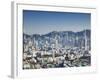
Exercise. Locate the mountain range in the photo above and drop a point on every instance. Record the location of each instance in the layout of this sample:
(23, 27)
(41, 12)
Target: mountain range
(60, 38)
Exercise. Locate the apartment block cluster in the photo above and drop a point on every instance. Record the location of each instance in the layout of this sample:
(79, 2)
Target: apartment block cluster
(54, 55)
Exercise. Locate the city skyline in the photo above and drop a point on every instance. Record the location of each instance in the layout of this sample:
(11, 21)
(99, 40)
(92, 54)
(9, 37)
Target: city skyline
(42, 22)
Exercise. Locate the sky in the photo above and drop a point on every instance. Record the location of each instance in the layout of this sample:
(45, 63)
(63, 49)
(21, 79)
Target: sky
(42, 22)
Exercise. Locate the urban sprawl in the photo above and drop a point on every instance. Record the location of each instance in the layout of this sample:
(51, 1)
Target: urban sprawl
(57, 50)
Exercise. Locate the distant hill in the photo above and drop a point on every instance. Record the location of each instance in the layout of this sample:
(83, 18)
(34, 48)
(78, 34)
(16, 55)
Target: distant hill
(62, 38)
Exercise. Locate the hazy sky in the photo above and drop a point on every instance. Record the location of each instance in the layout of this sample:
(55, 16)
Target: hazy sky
(41, 22)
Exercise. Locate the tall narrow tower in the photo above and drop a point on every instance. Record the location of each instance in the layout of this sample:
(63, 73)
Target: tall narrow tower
(85, 40)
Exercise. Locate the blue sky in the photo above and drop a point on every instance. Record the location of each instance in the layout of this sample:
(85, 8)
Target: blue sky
(42, 22)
